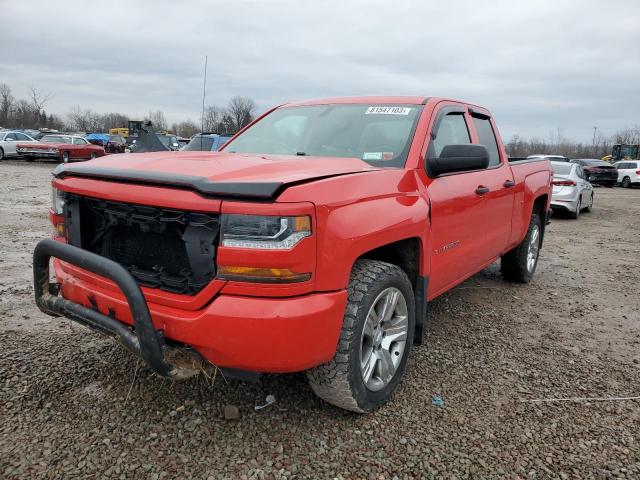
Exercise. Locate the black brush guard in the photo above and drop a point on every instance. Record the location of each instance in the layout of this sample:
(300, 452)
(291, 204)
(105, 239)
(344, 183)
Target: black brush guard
(144, 340)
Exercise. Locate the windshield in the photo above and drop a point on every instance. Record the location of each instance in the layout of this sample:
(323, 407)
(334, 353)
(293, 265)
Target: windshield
(377, 134)
(200, 144)
(629, 151)
(561, 169)
(55, 139)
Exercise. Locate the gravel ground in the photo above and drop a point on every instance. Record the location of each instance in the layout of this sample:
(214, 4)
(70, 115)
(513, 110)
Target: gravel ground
(76, 405)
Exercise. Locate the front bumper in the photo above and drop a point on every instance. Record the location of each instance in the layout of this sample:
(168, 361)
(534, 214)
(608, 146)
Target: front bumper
(38, 153)
(235, 332)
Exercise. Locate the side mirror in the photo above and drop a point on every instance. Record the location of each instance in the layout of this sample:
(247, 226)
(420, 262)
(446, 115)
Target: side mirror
(459, 158)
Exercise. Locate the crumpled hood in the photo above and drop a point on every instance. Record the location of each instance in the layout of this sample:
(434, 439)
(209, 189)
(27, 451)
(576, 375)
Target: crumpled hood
(215, 173)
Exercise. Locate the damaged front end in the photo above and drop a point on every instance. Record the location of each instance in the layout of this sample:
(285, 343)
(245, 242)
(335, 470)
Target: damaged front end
(143, 339)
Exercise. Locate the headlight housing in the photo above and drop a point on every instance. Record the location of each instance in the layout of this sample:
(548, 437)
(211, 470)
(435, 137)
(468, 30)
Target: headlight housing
(264, 232)
(57, 201)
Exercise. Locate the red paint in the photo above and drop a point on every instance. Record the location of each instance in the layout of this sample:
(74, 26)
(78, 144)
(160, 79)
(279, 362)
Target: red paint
(354, 208)
(76, 152)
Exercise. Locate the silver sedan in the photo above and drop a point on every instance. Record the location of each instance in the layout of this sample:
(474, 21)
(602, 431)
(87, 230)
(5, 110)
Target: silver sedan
(9, 140)
(572, 192)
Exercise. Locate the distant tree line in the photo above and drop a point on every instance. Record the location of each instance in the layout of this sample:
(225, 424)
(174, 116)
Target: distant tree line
(30, 113)
(558, 144)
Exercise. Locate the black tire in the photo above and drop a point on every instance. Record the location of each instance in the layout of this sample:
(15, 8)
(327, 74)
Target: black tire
(575, 215)
(514, 264)
(92, 156)
(590, 207)
(65, 157)
(28, 159)
(626, 182)
(340, 382)
(1, 153)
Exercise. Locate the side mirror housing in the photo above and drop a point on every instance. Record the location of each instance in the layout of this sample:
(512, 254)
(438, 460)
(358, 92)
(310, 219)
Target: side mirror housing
(459, 158)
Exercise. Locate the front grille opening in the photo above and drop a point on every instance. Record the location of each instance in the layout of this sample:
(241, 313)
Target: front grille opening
(162, 248)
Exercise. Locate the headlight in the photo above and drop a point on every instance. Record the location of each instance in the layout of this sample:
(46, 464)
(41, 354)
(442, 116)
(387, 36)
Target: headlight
(264, 232)
(57, 201)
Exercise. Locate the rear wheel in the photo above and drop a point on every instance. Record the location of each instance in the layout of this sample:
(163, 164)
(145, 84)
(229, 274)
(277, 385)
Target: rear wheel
(375, 340)
(626, 182)
(590, 207)
(28, 158)
(1, 153)
(92, 156)
(575, 215)
(520, 264)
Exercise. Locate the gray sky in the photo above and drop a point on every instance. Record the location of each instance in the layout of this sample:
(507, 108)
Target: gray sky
(538, 66)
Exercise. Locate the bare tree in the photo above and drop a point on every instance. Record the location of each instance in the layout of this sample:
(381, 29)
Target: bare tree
(212, 121)
(6, 102)
(186, 128)
(38, 101)
(158, 120)
(240, 110)
(80, 120)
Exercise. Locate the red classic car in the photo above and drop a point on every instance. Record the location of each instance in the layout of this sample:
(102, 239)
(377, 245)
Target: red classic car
(61, 147)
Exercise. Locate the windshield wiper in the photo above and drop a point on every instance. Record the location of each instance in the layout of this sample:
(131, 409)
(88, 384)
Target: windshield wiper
(301, 154)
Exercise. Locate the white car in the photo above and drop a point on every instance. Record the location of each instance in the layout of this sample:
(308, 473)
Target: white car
(9, 140)
(628, 172)
(551, 158)
(571, 192)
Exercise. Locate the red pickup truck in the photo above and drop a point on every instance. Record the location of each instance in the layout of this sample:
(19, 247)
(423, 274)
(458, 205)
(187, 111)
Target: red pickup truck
(313, 241)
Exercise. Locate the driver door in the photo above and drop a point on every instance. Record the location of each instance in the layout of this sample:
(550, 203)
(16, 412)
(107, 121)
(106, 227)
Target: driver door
(470, 210)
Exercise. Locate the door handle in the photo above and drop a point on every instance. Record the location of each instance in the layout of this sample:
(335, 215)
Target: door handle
(481, 190)
(509, 184)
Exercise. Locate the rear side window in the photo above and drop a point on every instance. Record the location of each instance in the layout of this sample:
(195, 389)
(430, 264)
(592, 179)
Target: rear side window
(452, 131)
(488, 139)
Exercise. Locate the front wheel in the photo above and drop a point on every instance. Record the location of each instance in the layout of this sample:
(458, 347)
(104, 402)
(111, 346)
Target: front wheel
(65, 157)
(375, 340)
(626, 182)
(92, 156)
(1, 153)
(519, 264)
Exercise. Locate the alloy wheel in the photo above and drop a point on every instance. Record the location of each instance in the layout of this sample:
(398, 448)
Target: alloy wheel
(534, 248)
(384, 337)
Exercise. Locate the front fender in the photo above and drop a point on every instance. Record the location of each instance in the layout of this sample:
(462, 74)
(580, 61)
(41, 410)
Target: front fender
(353, 229)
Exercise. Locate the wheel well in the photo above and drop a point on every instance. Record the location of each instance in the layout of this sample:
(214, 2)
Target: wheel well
(539, 207)
(404, 253)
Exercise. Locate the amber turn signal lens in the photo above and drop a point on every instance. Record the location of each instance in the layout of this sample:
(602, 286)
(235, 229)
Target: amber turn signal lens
(302, 224)
(59, 230)
(265, 275)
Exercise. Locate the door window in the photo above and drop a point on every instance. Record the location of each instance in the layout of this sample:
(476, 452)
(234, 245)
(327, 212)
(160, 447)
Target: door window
(11, 137)
(451, 131)
(22, 137)
(79, 141)
(487, 138)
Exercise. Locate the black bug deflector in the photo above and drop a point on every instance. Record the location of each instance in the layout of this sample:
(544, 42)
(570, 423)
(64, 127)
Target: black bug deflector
(144, 340)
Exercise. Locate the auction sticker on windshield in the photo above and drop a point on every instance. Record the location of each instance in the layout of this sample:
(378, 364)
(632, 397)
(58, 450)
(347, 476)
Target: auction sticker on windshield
(388, 111)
